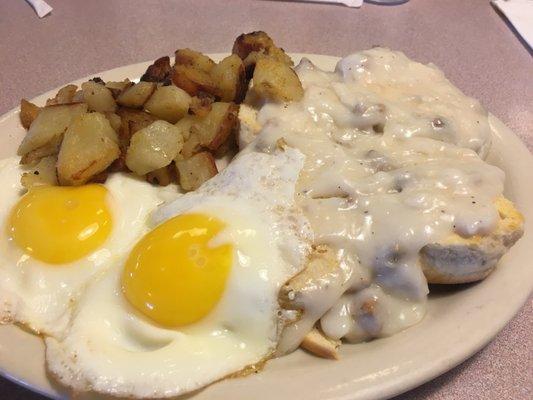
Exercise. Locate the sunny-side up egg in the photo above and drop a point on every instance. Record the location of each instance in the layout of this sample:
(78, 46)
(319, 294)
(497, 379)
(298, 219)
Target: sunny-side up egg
(54, 240)
(197, 298)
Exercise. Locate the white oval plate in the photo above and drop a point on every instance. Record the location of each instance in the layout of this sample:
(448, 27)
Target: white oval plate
(459, 321)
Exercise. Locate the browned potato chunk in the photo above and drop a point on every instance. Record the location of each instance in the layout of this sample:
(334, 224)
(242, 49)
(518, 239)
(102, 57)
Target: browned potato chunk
(153, 147)
(169, 103)
(250, 42)
(230, 77)
(218, 125)
(193, 80)
(64, 95)
(50, 123)
(159, 71)
(163, 176)
(135, 96)
(98, 97)
(276, 81)
(44, 173)
(49, 149)
(118, 87)
(194, 171)
(194, 59)
(28, 112)
(89, 146)
(200, 106)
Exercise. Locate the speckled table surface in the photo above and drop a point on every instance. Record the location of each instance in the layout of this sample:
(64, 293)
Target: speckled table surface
(469, 40)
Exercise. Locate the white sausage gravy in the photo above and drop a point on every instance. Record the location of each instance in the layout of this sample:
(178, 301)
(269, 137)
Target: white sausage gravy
(393, 163)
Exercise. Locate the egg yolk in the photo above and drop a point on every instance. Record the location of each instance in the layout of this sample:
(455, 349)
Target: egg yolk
(58, 225)
(173, 275)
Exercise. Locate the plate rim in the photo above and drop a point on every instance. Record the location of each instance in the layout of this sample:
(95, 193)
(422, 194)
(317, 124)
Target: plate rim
(397, 385)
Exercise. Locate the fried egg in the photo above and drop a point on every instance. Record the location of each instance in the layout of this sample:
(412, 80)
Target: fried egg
(54, 240)
(196, 300)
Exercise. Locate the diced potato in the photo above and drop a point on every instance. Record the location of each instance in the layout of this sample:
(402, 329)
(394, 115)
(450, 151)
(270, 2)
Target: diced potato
(118, 87)
(191, 146)
(230, 77)
(169, 103)
(250, 42)
(89, 146)
(114, 120)
(135, 96)
(194, 171)
(50, 123)
(276, 81)
(193, 80)
(153, 147)
(63, 96)
(28, 112)
(195, 59)
(44, 173)
(162, 176)
(159, 71)
(200, 106)
(49, 149)
(218, 125)
(132, 120)
(98, 97)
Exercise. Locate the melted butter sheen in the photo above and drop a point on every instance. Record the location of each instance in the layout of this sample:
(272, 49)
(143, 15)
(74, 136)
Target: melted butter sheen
(393, 162)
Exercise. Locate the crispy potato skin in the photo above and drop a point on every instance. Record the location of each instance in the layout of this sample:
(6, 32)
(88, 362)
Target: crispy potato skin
(159, 71)
(28, 112)
(194, 171)
(249, 42)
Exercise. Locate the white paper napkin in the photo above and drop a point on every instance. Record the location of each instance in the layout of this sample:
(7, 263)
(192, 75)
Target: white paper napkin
(520, 15)
(41, 7)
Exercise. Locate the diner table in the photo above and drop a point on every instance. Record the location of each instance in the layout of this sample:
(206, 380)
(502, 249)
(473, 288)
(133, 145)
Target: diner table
(473, 44)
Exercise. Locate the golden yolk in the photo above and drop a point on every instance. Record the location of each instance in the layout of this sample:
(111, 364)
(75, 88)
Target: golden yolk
(173, 275)
(58, 225)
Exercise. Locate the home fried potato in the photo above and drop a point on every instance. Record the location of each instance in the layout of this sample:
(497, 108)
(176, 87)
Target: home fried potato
(250, 47)
(169, 103)
(201, 105)
(98, 97)
(28, 112)
(194, 171)
(118, 87)
(135, 96)
(44, 173)
(159, 71)
(89, 146)
(50, 123)
(247, 43)
(218, 125)
(49, 149)
(163, 176)
(64, 95)
(230, 78)
(114, 120)
(193, 80)
(274, 80)
(153, 147)
(194, 59)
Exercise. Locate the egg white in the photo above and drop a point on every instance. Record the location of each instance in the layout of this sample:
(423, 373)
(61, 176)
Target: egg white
(111, 348)
(41, 296)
